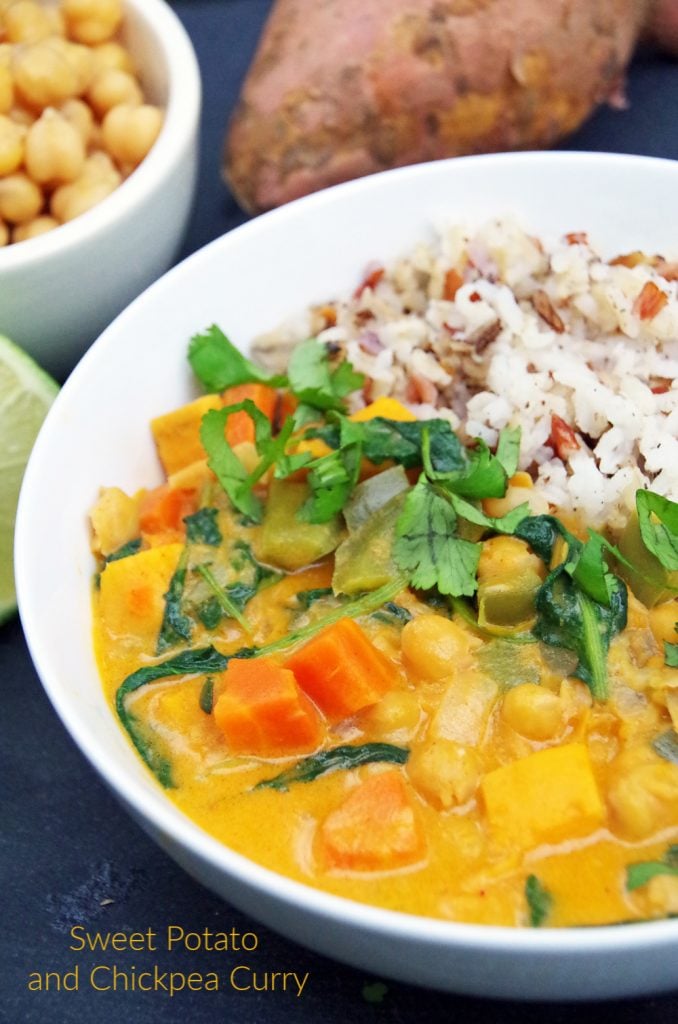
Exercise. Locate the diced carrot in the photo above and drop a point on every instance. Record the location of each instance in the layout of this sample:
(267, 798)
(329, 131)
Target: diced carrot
(563, 439)
(240, 426)
(262, 711)
(650, 301)
(453, 282)
(287, 405)
(375, 828)
(341, 670)
(162, 511)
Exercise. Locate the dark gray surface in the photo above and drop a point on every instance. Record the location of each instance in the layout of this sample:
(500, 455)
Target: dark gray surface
(68, 853)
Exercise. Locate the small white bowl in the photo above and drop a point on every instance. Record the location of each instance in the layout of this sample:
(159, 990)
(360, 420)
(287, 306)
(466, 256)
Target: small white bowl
(60, 290)
(97, 434)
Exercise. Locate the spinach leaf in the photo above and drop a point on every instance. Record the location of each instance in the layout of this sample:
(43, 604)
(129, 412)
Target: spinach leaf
(124, 551)
(308, 597)
(338, 758)
(567, 617)
(210, 613)
(222, 596)
(539, 901)
(202, 527)
(175, 625)
(206, 698)
(393, 613)
(426, 547)
(658, 521)
(191, 662)
(218, 364)
(243, 556)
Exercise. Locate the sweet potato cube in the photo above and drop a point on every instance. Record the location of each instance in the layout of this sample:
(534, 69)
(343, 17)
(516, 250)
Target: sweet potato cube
(177, 433)
(545, 797)
(261, 710)
(341, 670)
(131, 594)
(386, 407)
(375, 828)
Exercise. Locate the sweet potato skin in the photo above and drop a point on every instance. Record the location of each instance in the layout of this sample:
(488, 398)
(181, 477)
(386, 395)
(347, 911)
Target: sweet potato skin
(344, 88)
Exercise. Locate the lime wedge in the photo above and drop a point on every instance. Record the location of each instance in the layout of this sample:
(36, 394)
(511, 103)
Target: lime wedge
(26, 393)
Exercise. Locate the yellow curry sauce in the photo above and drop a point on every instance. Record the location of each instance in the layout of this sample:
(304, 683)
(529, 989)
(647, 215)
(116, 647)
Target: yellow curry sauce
(510, 794)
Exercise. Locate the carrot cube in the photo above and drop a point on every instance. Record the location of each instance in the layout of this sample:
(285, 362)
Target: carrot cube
(162, 511)
(240, 426)
(341, 670)
(375, 828)
(262, 711)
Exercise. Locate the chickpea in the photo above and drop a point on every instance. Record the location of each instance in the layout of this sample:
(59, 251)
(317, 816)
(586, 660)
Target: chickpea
(506, 558)
(6, 88)
(444, 772)
(663, 621)
(92, 21)
(11, 145)
(532, 711)
(80, 115)
(112, 87)
(662, 894)
(27, 22)
(433, 645)
(112, 56)
(98, 179)
(397, 711)
(520, 489)
(43, 76)
(20, 198)
(23, 116)
(643, 795)
(55, 152)
(33, 228)
(80, 59)
(129, 132)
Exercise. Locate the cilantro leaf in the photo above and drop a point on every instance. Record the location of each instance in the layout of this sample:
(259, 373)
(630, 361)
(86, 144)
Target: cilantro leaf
(508, 449)
(670, 654)
(331, 478)
(426, 547)
(227, 467)
(658, 521)
(314, 382)
(644, 871)
(481, 476)
(218, 364)
(500, 524)
(539, 901)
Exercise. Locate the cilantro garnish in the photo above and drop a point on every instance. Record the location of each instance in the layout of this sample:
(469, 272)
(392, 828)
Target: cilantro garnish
(539, 901)
(218, 364)
(658, 522)
(314, 382)
(644, 871)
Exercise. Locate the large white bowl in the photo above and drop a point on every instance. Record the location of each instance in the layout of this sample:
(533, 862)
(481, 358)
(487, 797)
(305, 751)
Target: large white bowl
(58, 291)
(97, 433)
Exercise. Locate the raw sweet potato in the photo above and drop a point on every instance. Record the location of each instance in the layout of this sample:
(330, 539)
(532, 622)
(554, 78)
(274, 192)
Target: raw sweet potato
(344, 88)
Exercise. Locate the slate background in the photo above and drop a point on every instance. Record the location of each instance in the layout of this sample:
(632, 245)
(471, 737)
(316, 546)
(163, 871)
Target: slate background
(69, 854)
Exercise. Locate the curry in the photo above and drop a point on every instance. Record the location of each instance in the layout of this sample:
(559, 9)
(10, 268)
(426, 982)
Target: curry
(360, 652)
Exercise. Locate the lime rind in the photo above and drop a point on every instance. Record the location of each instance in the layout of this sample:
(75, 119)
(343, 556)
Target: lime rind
(26, 393)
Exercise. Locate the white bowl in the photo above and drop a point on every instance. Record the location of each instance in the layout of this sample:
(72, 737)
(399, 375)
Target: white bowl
(60, 290)
(97, 434)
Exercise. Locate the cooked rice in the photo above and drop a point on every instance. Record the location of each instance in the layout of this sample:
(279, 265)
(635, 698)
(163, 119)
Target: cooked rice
(530, 333)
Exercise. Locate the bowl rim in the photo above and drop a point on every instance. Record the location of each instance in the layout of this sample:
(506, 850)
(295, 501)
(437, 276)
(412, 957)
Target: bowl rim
(164, 816)
(182, 114)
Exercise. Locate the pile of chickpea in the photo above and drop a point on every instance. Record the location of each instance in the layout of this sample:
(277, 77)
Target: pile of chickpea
(73, 121)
